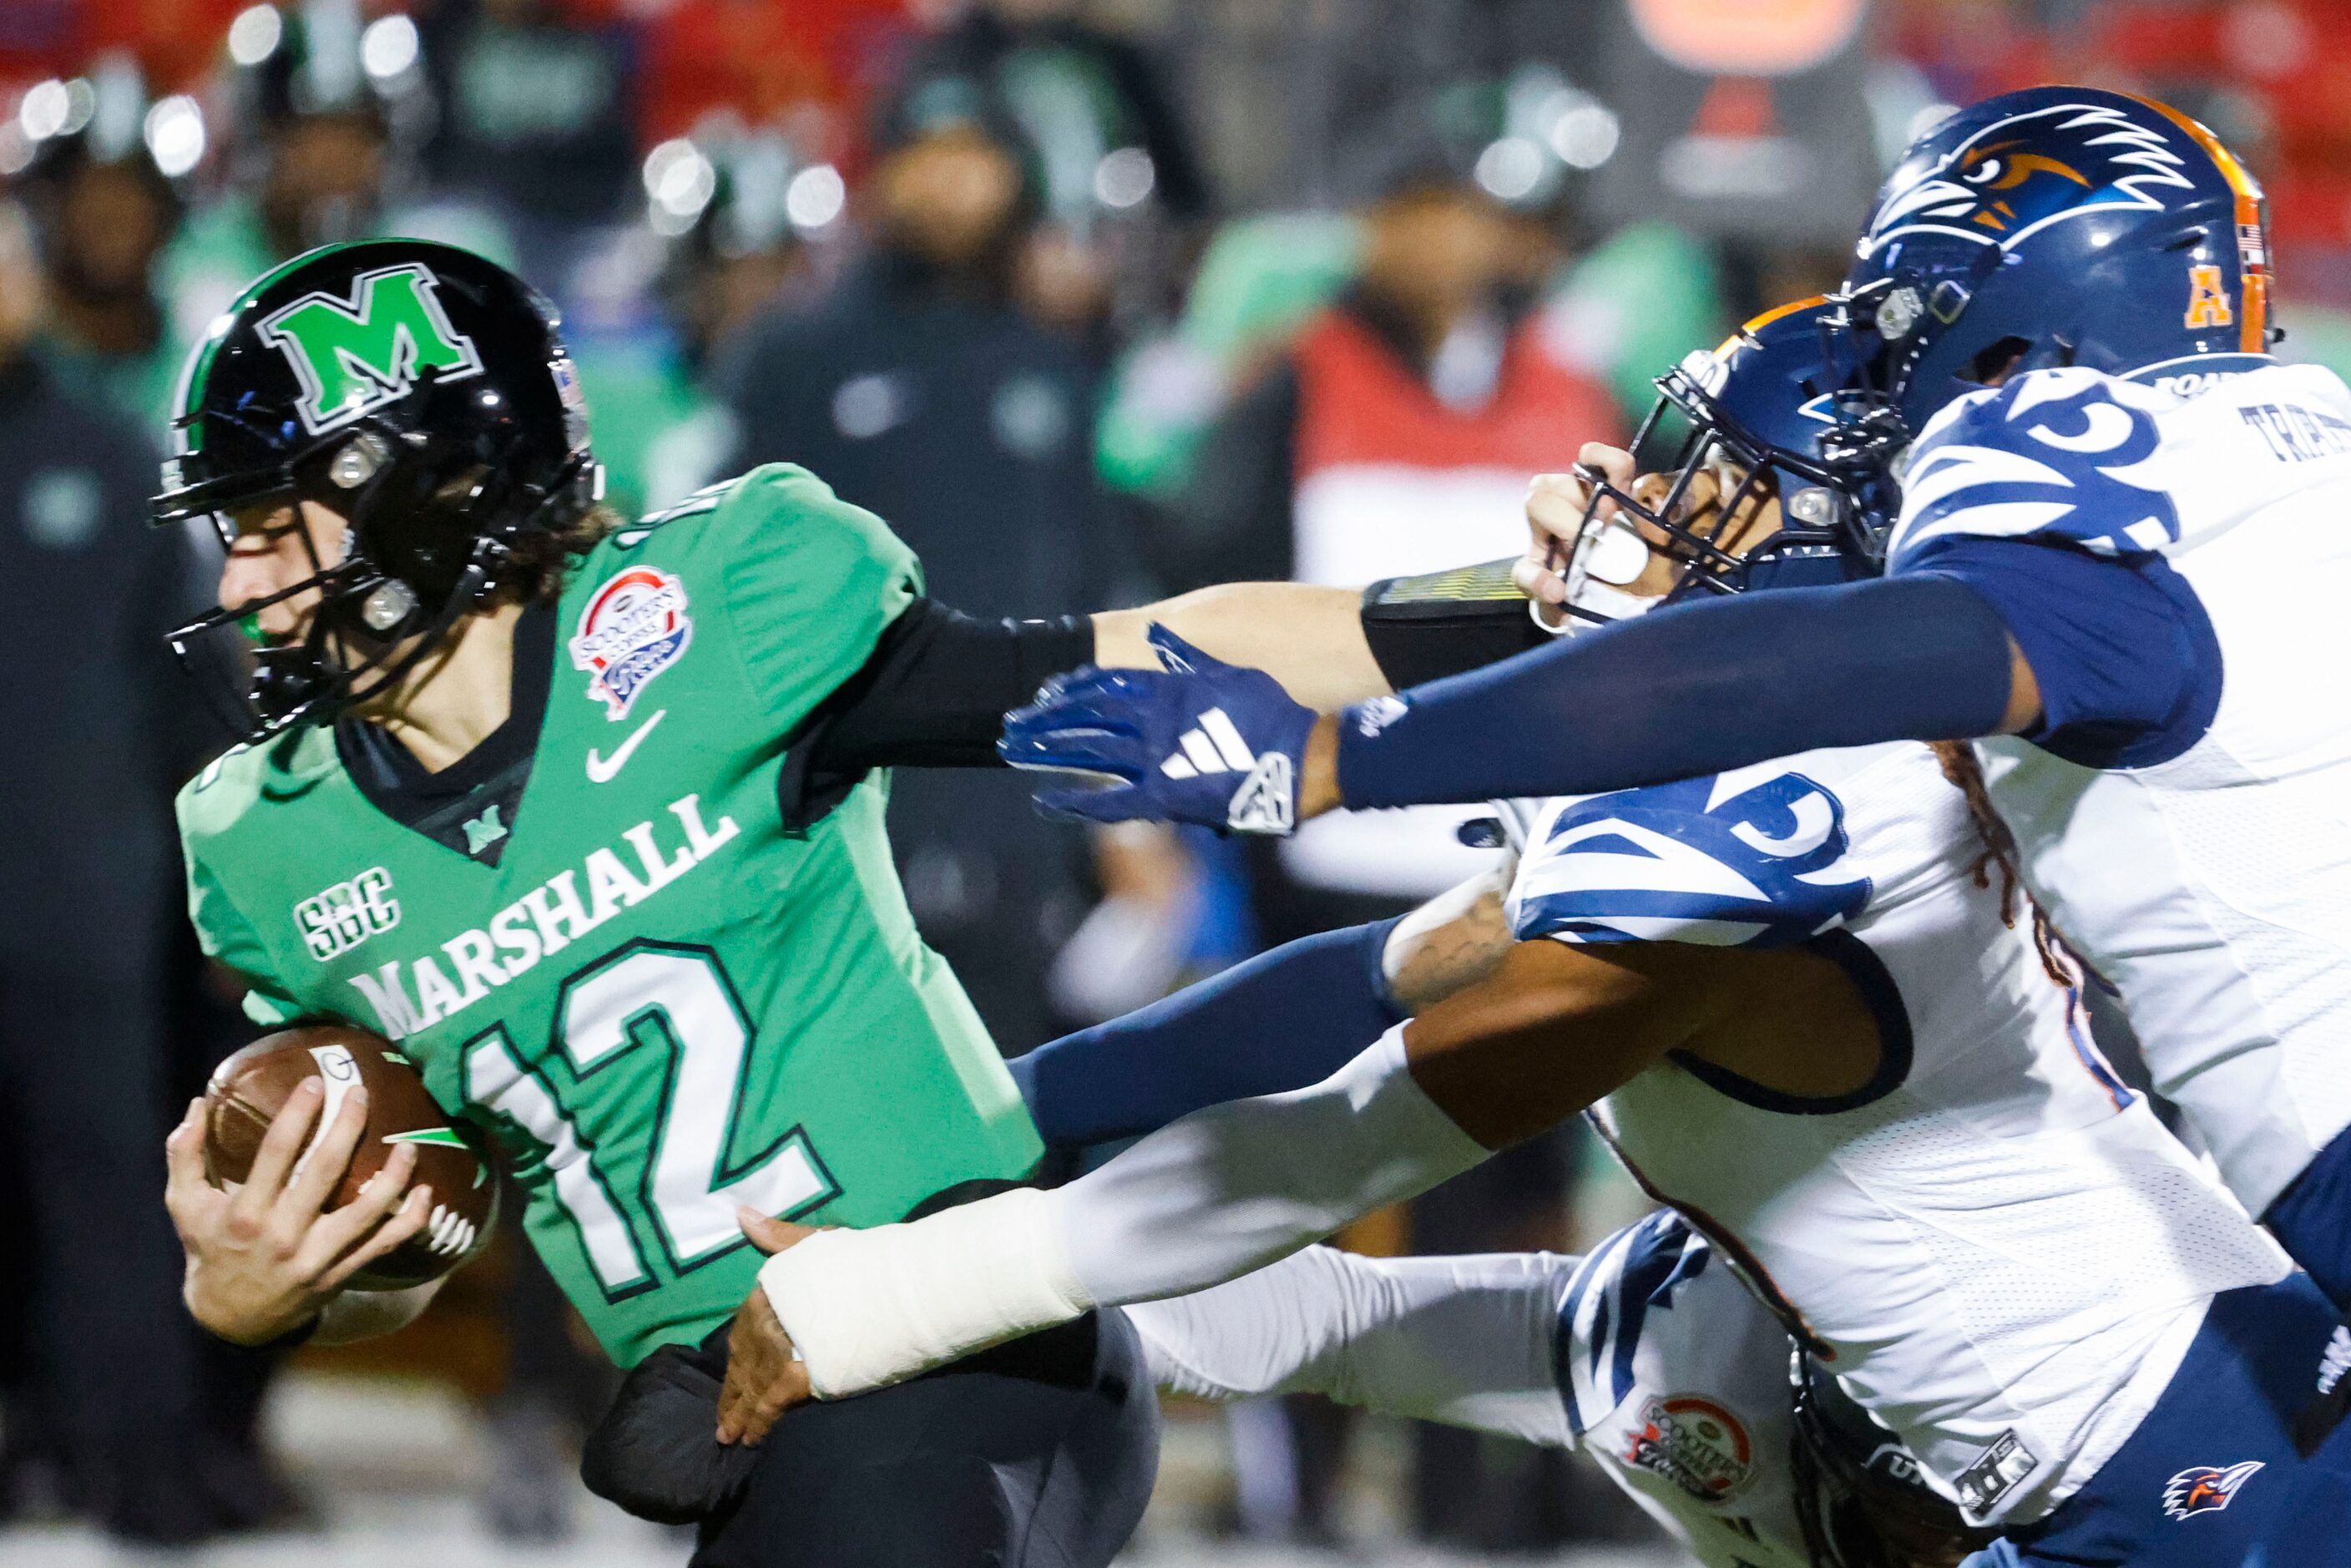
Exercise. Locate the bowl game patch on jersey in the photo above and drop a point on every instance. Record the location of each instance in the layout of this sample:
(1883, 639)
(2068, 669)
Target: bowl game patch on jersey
(632, 628)
(1695, 1444)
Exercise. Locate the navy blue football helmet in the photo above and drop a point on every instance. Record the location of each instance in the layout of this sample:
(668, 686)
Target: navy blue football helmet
(1766, 421)
(2059, 226)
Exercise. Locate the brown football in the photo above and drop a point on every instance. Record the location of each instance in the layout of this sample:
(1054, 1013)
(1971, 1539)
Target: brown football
(249, 1088)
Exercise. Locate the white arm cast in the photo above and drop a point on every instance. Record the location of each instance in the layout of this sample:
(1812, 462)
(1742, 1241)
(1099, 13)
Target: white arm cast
(1465, 1341)
(1204, 1199)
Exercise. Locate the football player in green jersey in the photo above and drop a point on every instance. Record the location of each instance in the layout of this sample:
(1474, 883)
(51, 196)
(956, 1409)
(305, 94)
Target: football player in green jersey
(588, 817)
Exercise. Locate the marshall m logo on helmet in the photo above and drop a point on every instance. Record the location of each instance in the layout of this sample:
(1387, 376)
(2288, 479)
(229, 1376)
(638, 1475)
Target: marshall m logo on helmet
(360, 353)
(405, 414)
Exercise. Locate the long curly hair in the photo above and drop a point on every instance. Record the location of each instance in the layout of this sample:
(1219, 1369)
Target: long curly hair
(544, 559)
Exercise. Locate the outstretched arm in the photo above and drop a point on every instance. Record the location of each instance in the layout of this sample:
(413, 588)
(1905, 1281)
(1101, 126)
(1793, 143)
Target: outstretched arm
(1310, 639)
(1465, 1341)
(1238, 1186)
(1678, 692)
(1283, 1020)
(2103, 659)
(934, 689)
(1695, 689)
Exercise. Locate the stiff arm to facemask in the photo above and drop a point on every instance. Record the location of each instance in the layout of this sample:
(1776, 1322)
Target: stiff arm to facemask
(1607, 555)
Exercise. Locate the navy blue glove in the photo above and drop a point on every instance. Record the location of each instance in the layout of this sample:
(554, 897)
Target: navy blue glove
(1198, 741)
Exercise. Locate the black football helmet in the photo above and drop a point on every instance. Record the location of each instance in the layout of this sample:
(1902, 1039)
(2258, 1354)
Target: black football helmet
(416, 389)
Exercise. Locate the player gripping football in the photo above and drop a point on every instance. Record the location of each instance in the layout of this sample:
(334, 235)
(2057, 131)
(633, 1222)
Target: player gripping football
(589, 818)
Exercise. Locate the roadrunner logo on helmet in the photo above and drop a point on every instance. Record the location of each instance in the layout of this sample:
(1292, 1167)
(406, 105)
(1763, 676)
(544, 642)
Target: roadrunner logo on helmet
(2057, 226)
(421, 393)
(1762, 421)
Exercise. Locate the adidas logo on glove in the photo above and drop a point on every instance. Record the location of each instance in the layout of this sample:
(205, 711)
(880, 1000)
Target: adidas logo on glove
(1262, 803)
(1165, 744)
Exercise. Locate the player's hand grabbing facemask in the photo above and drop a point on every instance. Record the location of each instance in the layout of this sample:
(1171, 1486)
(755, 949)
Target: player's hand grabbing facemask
(1196, 741)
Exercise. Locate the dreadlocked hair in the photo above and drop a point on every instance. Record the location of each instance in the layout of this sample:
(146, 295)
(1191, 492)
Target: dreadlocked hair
(1996, 848)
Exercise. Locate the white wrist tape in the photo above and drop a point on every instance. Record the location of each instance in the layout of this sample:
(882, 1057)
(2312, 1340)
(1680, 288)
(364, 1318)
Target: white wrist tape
(869, 1308)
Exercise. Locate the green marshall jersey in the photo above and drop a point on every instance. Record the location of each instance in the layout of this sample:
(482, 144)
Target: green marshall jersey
(659, 1002)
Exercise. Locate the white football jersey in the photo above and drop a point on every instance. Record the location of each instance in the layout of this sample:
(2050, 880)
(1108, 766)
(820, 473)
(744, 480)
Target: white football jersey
(1993, 1244)
(1675, 1377)
(2213, 889)
(1646, 1354)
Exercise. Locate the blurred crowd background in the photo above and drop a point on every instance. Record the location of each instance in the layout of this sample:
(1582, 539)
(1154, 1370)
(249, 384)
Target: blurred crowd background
(1092, 301)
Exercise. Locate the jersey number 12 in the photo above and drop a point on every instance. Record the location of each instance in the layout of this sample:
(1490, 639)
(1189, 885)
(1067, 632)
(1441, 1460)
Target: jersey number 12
(651, 996)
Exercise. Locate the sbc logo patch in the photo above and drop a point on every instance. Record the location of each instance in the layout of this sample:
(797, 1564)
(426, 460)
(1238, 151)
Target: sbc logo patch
(337, 919)
(2204, 1489)
(633, 628)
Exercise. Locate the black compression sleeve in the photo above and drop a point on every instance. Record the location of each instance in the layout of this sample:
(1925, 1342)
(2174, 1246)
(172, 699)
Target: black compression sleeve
(933, 694)
(1422, 629)
(935, 690)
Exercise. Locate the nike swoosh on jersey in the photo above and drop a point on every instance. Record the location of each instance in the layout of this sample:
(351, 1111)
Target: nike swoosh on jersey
(603, 770)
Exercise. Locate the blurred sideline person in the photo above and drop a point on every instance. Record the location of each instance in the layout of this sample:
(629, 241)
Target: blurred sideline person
(553, 160)
(921, 389)
(318, 168)
(318, 155)
(103, 221)
(647, 364)
(1393, 438)
(1122, 190)
(1048, 50)
(86, 877)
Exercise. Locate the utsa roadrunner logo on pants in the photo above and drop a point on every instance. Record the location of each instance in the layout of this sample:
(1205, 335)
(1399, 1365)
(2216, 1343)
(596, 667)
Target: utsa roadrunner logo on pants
(2205, 1489)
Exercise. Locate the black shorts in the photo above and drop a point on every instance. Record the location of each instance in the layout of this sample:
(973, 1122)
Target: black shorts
(1037, 1454)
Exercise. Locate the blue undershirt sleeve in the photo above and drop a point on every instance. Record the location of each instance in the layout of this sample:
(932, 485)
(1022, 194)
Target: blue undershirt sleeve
(2128, 669)
(1690, 690)
(1283, 1020)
